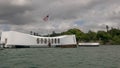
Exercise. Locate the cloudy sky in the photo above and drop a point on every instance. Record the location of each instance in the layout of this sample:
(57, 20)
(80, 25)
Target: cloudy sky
(27, 15)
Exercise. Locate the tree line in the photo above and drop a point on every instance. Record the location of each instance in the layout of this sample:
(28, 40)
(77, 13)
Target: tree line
(109, 37)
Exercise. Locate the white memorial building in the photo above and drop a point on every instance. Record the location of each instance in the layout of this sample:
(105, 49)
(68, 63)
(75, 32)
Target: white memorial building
(13, 39)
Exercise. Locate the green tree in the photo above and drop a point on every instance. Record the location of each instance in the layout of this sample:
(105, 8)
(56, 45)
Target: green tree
(75, 31)
(114, 32)
(112, 36)
(90, 36)
(103, 36)
(116, 40)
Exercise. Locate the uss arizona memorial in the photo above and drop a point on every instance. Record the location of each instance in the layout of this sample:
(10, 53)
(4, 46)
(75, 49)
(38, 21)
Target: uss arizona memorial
(13, 39)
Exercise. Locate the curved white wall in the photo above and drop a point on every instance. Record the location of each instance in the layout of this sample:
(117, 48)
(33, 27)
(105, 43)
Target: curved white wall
(17, 38)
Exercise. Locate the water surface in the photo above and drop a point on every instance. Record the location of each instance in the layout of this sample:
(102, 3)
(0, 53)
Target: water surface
(82, 57)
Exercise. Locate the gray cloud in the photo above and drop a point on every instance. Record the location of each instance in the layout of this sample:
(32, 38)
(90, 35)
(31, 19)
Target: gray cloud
(27, 15)
(13, 11)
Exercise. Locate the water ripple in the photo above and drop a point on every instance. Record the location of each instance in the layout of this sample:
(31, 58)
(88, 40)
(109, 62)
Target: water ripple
(84, 57)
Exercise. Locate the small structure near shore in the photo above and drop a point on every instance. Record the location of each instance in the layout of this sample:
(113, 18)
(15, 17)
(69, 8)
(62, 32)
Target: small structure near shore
(13, 39)
(89, 44)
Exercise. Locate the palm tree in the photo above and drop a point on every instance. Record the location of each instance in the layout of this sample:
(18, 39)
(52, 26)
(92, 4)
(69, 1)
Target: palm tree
(107, 28)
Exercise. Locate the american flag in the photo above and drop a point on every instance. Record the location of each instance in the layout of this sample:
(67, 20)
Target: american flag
(46, 18)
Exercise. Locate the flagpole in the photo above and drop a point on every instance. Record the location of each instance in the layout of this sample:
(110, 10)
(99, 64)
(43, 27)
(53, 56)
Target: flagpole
(48, 31)
(46, 20)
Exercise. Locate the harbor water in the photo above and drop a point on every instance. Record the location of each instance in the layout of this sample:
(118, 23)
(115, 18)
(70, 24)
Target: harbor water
(81, 57)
